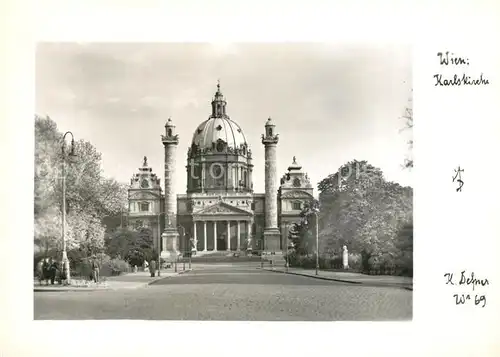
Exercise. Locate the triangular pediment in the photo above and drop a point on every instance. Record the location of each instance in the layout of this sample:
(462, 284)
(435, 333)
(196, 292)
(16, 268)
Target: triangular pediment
(222, 208)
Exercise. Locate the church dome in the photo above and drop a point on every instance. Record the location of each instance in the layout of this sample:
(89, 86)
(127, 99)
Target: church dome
(213, 130)
(219, 134)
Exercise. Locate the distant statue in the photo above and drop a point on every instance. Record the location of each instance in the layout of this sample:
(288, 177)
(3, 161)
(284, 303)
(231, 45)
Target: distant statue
(145, 161)
(345, 257)
(294, 160)
(249, 243)
(169, 223)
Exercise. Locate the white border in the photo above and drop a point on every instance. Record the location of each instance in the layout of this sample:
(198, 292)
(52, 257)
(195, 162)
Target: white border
(452, 232)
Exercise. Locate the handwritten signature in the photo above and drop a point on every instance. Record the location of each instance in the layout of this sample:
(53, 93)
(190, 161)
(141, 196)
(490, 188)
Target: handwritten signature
(467, 280)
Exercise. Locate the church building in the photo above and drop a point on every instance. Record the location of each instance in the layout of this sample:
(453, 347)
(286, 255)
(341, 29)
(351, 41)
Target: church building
(220, 210)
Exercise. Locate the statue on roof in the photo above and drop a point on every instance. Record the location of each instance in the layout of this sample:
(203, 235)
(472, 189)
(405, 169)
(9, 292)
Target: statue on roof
(145, 161)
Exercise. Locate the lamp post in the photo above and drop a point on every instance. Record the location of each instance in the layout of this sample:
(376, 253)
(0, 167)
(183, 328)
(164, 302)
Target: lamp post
(159, 243)
(71, 154)
(316, 211)
(183, 238)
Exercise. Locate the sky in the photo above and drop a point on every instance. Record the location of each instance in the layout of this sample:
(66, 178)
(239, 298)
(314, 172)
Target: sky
(331, 103)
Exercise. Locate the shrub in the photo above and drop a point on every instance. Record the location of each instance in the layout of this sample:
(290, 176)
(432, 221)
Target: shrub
(325, 263)
(404, 264)
(354, 261)
(374, 265)
(118, 266)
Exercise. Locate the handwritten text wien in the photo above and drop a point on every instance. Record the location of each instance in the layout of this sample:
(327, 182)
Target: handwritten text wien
(447, 59)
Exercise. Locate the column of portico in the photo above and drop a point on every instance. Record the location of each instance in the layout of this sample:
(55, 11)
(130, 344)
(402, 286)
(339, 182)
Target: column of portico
(195, 238)
(205, 236)
(228, 224)
(249, 235)
(238, 235)
(215, 236)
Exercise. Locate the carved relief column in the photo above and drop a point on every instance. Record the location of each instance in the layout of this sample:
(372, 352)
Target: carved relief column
(170, 141)
(228, 224)
(205, 236)
(215, 236)
(272, 234)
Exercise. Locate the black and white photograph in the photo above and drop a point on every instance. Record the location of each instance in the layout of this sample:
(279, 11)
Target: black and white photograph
(223, 182)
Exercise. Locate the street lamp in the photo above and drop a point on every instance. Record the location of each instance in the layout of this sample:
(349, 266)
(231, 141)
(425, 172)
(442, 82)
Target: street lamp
(159, 243)
(183, 238)
(71, 154)
(316, 211)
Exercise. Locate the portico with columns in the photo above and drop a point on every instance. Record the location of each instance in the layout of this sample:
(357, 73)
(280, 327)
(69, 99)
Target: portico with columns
(218, 234)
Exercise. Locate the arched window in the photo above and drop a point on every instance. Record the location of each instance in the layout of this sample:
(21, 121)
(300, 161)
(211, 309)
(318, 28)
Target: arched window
(169, 132)
(245, 177)
(270, 132)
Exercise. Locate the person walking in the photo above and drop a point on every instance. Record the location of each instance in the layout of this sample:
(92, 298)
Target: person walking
(95, 269)
(46, 270)
(152, 268)
(39, 270)
(52, 270)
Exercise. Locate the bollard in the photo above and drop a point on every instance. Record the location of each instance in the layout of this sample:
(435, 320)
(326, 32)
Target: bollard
(175, 266)
(183, 265)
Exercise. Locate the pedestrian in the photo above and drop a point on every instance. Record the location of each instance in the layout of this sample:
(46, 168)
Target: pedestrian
(39, 270)
(152, 268)
(46, 271)
(52, 270)
(95, 269)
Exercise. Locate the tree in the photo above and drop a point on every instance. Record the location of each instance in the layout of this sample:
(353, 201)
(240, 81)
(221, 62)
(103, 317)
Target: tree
(408, 127)
(119, 242)
(348, 197)
(360, 209)
(302, 234)
(131, 245)
(404, 245)
(89, 195)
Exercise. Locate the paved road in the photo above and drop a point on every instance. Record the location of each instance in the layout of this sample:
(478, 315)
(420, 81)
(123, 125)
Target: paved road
(231, 293)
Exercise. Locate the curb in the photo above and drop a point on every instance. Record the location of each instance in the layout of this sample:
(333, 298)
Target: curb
(166, 277)
(69, 289)
(62, 290)
(382, 285)
(315, 276)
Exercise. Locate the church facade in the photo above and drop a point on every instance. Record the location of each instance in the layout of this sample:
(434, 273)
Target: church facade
(220, 210)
